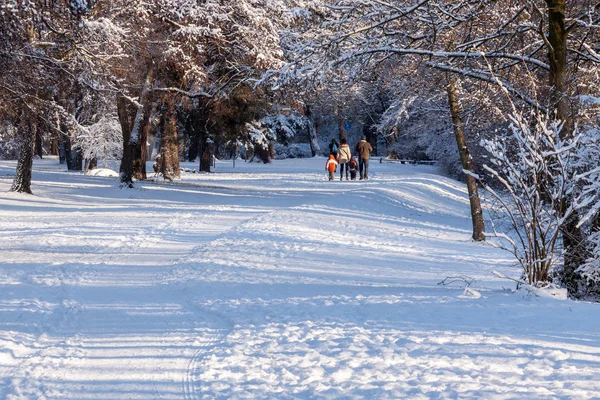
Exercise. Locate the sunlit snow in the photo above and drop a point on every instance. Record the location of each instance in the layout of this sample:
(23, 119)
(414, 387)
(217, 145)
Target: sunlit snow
(268, 281)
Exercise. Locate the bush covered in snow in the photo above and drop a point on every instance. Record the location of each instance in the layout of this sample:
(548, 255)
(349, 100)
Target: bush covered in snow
(294, 150)
(275, 128)
(548, 182)
(9, 147)
(590, 271)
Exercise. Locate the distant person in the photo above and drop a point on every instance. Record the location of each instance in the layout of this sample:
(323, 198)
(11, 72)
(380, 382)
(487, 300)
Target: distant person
(344, 156)
(333, 147)
(331, 166)
(363, 149)
(352, 167)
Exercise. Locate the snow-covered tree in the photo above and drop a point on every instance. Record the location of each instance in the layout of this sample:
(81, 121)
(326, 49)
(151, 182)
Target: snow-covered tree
(539, 169)
(102, 140)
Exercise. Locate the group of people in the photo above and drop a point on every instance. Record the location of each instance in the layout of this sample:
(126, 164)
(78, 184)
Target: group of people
(342, 156)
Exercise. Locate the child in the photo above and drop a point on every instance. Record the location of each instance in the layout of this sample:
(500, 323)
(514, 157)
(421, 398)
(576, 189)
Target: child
(331, 166)
(352, 167)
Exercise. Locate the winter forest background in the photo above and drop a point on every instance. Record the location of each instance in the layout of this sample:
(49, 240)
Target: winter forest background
(503, 95)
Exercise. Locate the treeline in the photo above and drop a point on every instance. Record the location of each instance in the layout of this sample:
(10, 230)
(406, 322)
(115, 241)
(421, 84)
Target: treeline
(506, 94)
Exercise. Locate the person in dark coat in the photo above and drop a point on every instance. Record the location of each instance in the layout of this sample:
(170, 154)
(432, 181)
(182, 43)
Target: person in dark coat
(363, 149)
(334, 147)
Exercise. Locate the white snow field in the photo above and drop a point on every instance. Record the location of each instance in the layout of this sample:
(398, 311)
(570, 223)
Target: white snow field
(267, 281)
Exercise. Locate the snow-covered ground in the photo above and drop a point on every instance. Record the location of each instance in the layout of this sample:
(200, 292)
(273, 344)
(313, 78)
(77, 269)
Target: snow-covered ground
(267, 281)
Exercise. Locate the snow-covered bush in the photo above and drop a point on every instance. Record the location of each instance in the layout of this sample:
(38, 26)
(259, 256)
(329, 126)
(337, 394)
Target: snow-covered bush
(257, 134)
(273, 128)
(590, 271)
(9, 146)
(537, 167)
(294, 150)
(394, 115)
(282, 128)
(588, 167)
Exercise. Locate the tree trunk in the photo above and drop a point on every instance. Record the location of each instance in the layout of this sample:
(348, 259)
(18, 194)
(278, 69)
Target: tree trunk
(465, 159)
(39, 150)
(140, 148)
(340, 122)
(169, 149)
(134, 125)
(54, 143)
(263, 154)
(205, 156)
(66, 146)
(557, 57)
(126, 111)
(22, 181)
(271, 149)
(90, 164)
(62, 152)
(312, 132)
(575, 253)
(60, 139)
(192, 153)
(75, 160)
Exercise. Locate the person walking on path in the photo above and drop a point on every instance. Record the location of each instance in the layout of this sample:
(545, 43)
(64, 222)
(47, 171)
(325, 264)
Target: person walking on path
(344, 156)
(364, 149)
(333, 148)
(330, 166)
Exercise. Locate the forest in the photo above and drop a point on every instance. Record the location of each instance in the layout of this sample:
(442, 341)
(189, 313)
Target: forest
(503, 95)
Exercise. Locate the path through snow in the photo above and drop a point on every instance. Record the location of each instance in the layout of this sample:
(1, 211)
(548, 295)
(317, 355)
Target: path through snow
(270, 282)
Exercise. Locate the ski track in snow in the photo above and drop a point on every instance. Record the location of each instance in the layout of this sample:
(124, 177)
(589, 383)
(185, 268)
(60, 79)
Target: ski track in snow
(269, 282)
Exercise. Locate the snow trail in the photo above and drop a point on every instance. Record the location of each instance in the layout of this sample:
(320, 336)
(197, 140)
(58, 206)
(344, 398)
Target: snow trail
(270, 282)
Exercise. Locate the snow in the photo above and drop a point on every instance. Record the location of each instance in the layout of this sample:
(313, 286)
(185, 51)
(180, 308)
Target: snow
(106, 172)
(268, 281)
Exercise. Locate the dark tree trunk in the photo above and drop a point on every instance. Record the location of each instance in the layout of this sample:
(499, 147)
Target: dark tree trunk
(205, 153)
(340, 122)
(54, 139)
(271, 149)
(39, 150)
(465, 159)
(169, 150)
(54, 146)
(205, 159)
(62, 152)
(140, 148)
(312, 132)
(263, 154)
(192, 127)
(22, 181)
(66, 147)
(575, 253)
(126, 113)
(90, 164)
(135, 125)
(557, 56)
(193, 149)
(75, 160)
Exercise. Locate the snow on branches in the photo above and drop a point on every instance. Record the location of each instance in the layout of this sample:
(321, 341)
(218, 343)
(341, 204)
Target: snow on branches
(102, 140)
(539, 170)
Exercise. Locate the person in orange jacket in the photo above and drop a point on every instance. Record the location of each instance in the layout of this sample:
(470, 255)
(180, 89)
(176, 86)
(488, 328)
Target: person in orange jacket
(331, 166)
